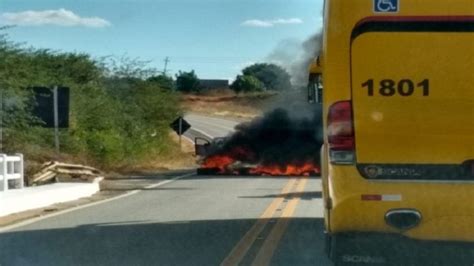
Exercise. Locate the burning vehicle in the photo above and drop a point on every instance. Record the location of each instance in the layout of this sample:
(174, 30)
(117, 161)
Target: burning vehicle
(274, 145)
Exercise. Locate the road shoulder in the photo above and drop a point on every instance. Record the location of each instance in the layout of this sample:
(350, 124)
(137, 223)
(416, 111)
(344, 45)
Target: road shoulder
(110, 189)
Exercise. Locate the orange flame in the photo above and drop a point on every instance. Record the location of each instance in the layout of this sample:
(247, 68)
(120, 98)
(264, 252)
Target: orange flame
(306, 169)
(220, 162)
(223, 161)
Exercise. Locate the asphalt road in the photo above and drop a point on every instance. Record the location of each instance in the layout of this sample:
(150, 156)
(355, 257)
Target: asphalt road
(208, 127)
(194, 220)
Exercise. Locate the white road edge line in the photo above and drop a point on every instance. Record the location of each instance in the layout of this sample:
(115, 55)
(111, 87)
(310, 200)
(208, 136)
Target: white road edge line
(128, 194)
(202, 132)
(218, 125)
(207, 118)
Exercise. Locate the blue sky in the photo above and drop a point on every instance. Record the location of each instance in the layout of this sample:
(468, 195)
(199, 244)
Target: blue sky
(216, 38)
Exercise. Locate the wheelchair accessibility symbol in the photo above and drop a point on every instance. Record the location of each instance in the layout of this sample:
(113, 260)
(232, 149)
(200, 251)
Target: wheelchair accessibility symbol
(386, 6)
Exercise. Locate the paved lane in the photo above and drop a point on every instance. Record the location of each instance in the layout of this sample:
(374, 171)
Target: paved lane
(197, 220)
(208, 127)
(194, 221)
(303, 241)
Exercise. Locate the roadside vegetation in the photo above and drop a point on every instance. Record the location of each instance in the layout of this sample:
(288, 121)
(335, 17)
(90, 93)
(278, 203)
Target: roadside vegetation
(120, 109)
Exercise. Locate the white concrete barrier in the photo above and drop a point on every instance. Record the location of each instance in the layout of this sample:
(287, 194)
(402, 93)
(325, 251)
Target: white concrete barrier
(29, 198)
(11, 168)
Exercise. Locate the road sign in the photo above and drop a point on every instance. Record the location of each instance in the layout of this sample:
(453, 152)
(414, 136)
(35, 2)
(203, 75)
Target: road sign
(386, 6)
(180, 126)
(45, 106)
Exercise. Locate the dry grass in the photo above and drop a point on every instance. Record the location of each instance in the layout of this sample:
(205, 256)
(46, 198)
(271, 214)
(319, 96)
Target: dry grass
(243, 106)
(181, 158)
(178, 159)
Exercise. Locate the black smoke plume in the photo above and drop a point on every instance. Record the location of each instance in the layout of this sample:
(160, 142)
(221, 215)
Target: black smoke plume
(291, 134)
(276, 139)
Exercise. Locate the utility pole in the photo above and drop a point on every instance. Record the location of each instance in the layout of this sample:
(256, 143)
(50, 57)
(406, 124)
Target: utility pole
(165, 69)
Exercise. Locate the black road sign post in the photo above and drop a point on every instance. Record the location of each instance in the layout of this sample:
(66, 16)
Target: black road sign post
(52, 107)
(180, 131)
(56, 119)
(44, 99)
(180, 126)
(1, 121)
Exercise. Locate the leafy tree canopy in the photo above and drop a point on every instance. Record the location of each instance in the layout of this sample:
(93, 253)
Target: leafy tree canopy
(246, 83)
(272, 76)
(187, 82)
(164, 81)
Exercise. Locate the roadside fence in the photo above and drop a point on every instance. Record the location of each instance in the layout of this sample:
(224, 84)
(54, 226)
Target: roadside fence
(11, 172)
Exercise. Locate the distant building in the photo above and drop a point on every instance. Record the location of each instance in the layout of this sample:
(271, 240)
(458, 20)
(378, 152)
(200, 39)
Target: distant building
(213, 84)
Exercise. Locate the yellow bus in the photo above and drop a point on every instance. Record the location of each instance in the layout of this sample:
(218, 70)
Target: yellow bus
(398, 155)
(315, 81)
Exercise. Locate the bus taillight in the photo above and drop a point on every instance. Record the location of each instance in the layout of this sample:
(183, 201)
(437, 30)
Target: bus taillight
(341, 133)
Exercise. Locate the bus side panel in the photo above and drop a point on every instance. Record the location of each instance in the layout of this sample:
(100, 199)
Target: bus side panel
(413, 102)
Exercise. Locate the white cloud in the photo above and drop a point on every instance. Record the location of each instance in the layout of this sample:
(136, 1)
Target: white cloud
(270, 23)
(257, 23)
(288, 21)
(59, 17)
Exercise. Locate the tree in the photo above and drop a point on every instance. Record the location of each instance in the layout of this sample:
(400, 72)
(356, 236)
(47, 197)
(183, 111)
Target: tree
(246, 83)
(187, 82)
(272, 76)
(162, 81)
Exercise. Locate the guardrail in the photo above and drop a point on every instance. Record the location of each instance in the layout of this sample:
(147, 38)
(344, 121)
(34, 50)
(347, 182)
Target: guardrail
(11, 168)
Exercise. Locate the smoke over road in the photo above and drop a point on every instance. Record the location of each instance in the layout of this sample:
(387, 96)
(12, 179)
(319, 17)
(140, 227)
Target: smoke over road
(296, 56)
(274, 143)
(288, 138)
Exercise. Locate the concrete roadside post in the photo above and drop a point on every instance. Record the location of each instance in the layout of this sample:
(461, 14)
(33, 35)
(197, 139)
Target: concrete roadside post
(3, 172)
(20, 168)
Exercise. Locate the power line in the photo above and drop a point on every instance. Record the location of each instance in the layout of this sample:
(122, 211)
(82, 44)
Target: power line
(207, 59)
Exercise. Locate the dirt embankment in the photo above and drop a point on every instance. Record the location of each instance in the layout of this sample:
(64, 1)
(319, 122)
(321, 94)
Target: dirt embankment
(231, 105)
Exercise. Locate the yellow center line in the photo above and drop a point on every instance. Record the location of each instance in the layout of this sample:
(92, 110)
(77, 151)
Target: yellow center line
(239, 251)
(265, 254)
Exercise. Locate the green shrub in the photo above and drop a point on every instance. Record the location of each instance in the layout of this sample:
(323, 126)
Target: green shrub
(118, 114)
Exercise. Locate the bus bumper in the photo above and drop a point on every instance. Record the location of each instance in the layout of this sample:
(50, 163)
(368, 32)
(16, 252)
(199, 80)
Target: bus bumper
(392, 249)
